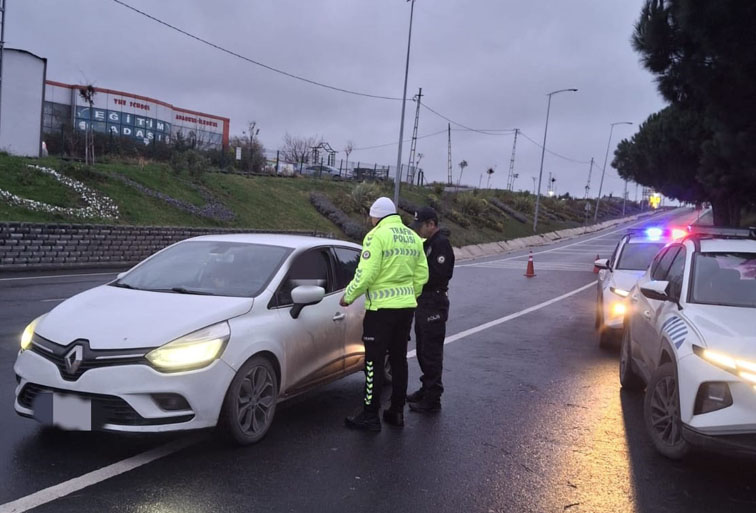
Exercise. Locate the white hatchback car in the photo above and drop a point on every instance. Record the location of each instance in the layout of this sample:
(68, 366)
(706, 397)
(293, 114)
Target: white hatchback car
(211, 330)
(618, 273)
(690, 339)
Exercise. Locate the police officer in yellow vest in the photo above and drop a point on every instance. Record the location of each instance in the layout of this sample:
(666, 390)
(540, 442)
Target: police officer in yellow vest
(391, 274)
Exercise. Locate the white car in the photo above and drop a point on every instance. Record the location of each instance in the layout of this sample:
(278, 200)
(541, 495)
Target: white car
(690, 339)
(211, 330)
(618, 273)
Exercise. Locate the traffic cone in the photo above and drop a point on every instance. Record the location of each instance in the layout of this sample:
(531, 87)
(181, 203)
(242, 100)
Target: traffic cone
(596, 269)
(530, 272)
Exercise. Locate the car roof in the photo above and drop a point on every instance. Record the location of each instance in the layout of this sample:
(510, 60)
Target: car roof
(736, 245)
(276, 239)
(646, 240)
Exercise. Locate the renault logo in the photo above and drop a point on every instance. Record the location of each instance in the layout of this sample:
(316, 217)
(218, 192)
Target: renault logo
(73, 359)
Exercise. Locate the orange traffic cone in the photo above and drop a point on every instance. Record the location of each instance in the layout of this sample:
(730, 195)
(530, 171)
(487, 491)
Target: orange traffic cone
(530, 272)
(596, 269)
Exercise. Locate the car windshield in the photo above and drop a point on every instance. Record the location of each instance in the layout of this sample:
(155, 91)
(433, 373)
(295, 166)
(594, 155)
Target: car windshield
(209, 268)
(726, 279)
(637, 256)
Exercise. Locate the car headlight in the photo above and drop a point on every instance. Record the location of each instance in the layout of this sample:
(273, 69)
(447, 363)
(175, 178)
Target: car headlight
(28, 334)
(192, 351)
(744, 369)
(620, 292)
(619, 310)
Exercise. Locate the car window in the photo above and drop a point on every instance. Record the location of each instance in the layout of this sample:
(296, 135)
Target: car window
(638, 256)
(725, 279)
(675, 274)
(310, 268)
(208, 267)
(660, 272)
(346, 265)
(612, 258)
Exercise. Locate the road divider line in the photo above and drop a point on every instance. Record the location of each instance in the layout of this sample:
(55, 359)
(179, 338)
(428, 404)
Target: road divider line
(507, 318)
(55, 276)
(74, 485)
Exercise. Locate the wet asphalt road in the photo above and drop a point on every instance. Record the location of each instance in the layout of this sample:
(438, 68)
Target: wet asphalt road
(533, 420)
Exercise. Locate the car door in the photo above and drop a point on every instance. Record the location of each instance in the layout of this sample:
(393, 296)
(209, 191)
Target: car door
(314, 341)
(647, 310)
(354, 349)
(668, 319)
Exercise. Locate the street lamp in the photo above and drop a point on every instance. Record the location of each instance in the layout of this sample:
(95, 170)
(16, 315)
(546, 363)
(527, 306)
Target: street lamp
(606, 157)
(398, 178)
(543, 151)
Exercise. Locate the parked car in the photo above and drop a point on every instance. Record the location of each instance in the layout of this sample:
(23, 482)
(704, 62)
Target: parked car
(214, 330)
(690, 340)
(322, 171)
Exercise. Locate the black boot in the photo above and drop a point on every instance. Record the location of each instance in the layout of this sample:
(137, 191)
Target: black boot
(394, 417)
(426, 405)
(416, 396)
(364, 421)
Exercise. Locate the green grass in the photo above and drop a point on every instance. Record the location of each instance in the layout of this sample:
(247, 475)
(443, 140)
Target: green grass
(25, 182)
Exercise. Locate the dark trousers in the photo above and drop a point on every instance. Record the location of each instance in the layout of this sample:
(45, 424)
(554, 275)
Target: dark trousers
(386, 329)
(430, 332)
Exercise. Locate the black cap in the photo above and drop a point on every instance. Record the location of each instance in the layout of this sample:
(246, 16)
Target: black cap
(423, 215)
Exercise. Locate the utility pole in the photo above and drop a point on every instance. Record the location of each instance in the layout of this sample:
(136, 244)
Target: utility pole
(534, 185)
(412, 166)
(2, 44)
(511, 176)
(624, 200)
(398, 177)
(450, 166)
(588, 184)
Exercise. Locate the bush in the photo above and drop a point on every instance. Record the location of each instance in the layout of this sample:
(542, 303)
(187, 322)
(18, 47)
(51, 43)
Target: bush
(471, 205)
(363, 195)
(350, 228)
(508, 210)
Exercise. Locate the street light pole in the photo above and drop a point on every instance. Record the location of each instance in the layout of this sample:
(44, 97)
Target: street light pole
(603, 170)
(398, 177)
(543, 152)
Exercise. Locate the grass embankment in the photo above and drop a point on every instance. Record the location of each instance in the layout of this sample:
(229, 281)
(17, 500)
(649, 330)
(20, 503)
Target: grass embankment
(269, 203)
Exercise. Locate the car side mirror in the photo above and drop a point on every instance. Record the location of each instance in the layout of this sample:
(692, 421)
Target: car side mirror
(602, 263)
(305, 295)
(656, 290)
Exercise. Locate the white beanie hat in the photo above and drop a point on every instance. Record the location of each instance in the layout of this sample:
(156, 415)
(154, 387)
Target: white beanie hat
(382, 207)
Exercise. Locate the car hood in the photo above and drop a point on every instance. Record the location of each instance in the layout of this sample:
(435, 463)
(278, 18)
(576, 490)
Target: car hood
(117, 318)
(725, 328)
(626, 280)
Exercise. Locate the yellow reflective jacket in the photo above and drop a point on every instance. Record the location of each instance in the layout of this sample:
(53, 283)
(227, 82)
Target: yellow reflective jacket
(392, 268)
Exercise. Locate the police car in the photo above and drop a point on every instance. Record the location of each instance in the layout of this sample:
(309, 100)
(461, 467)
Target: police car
(618, 273)
(690, 340)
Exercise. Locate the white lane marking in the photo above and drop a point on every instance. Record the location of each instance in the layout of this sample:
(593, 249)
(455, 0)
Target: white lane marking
(56, 276)
(507, 318)
(57, 491)
(540, 266)
(53, 300)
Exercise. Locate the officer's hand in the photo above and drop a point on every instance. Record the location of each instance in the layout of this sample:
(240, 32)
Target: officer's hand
(342, 302)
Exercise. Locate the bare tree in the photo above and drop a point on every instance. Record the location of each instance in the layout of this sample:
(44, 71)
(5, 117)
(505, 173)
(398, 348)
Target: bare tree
(252, 151)
(87, 93)
(297, 149)
(348, 149)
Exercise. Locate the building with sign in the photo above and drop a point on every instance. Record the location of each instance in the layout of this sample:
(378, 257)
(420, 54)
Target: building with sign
(129, 115)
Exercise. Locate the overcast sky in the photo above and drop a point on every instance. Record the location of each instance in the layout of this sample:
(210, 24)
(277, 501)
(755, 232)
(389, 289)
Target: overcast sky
(486, 64)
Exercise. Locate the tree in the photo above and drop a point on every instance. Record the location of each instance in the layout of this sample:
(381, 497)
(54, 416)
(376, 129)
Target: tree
(297, 149)
(665, 154)
(702, 55)
(252, 151)
(87, 93)
(348, 149)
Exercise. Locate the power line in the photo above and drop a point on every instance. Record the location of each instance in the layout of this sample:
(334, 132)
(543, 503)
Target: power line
(553, 152)
(395, 143)
(485, 132)
(252, 61)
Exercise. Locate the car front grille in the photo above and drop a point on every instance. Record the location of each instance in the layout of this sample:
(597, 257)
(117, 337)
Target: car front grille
(106, 409)
(90, 358)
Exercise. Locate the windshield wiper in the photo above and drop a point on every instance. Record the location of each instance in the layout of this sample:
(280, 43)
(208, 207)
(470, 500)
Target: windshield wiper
(184, 290)
(123, 285)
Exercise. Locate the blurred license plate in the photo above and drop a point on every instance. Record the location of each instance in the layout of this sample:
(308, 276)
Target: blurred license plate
(67, 411)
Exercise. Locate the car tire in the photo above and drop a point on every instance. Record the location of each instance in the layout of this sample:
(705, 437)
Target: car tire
(661, 413)
(629, 378)
(388, 376)
(250, 402)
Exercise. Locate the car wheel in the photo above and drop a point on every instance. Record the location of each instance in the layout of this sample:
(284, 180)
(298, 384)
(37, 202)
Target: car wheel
(629, 379)
(388, 376)
(661, 413)
(250, 402)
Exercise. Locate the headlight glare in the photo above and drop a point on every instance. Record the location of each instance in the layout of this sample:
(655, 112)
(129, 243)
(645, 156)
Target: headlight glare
(618, 309)
(28, 334)
(192, 351)
(744, 369)
(620, 292)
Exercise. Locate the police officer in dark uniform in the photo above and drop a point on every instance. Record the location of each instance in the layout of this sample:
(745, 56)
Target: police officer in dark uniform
(432, 311)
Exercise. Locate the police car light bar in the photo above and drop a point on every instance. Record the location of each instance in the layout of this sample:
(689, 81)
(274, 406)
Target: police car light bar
(655, 233)
(722, 232)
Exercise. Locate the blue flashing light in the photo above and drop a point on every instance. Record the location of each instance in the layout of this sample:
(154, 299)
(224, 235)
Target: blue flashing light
(654, 233)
